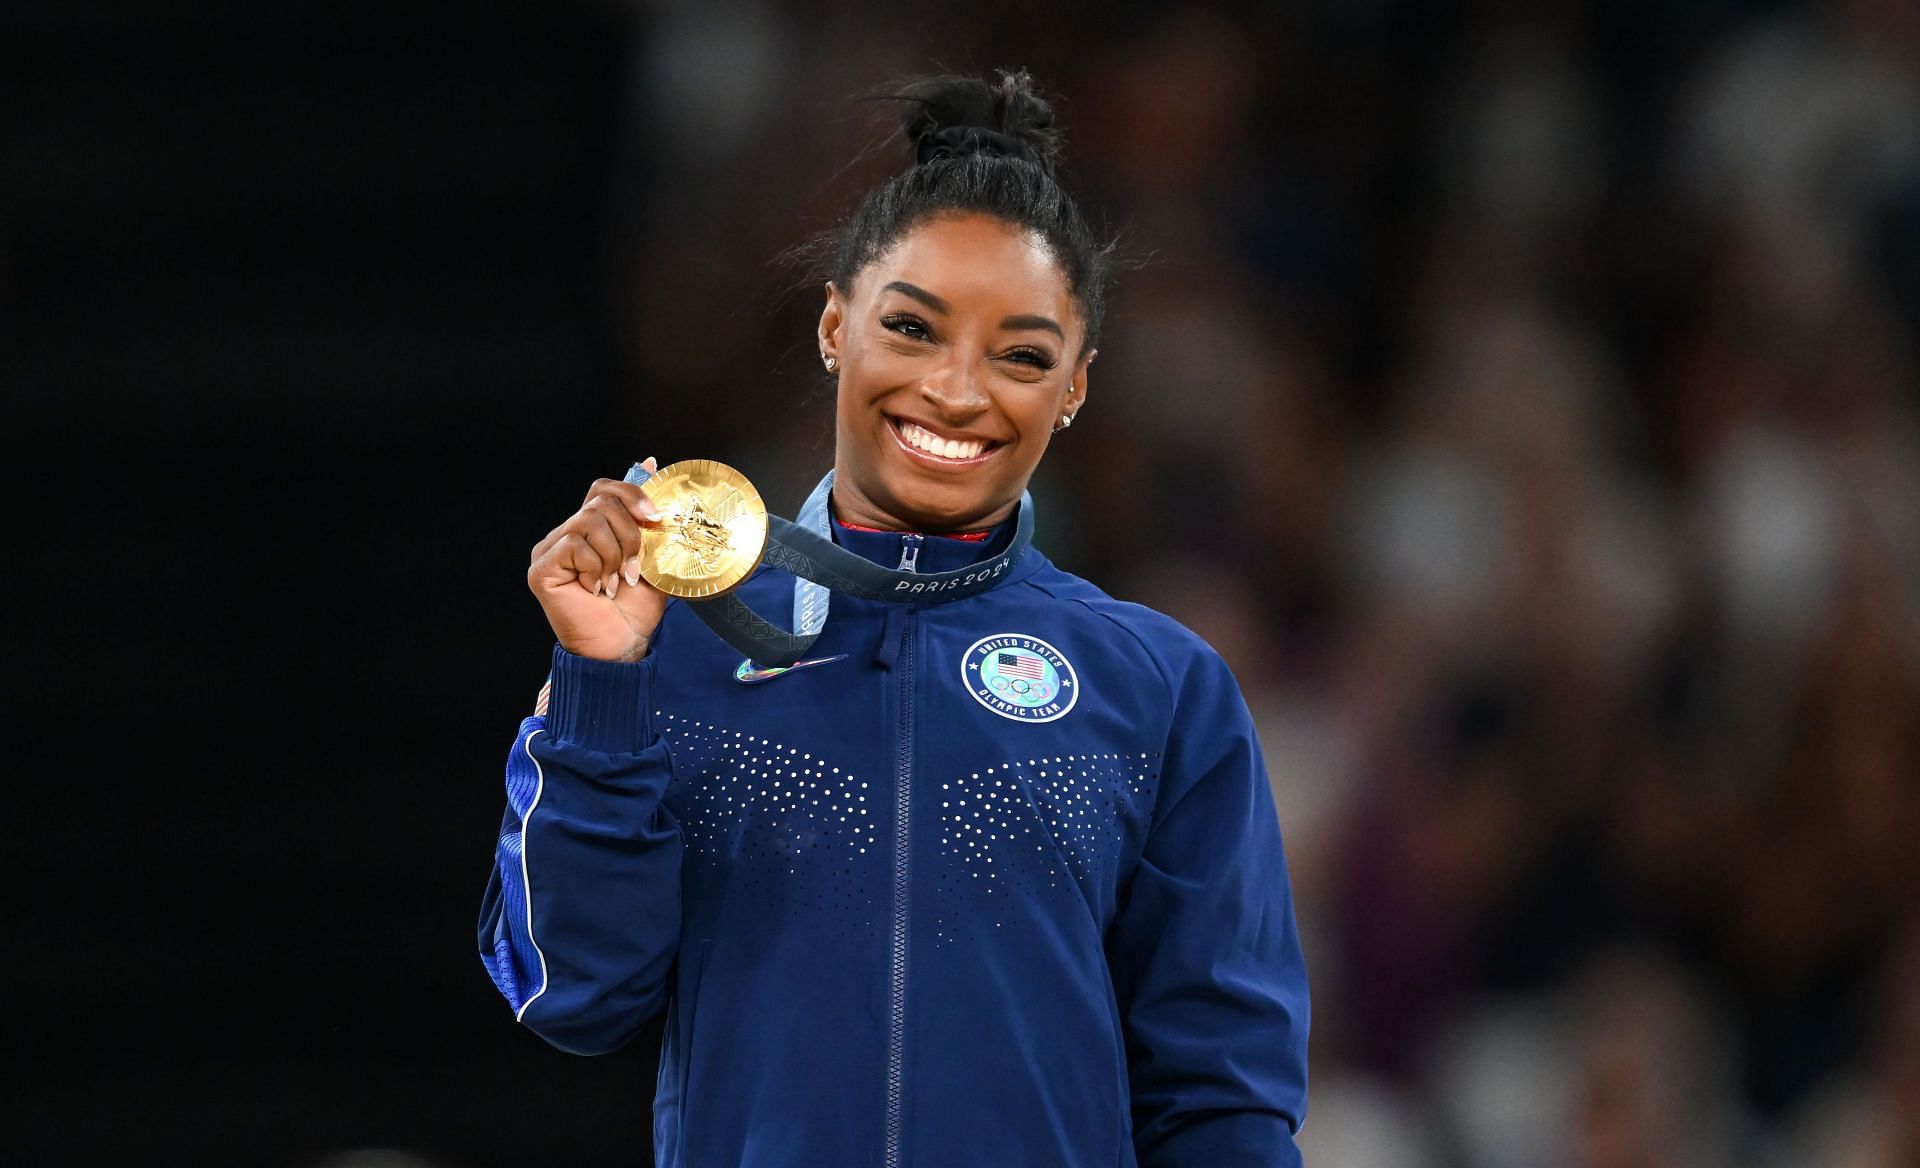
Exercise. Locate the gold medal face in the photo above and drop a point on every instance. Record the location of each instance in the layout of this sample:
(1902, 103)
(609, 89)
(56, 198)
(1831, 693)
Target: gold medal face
(712, 532)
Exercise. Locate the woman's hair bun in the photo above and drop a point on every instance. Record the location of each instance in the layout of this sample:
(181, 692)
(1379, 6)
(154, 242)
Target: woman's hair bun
(980, 147)
(953, 116)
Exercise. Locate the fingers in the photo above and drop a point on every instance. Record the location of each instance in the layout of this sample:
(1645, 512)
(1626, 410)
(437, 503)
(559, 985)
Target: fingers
(598, 547)
(628, 495)
(615, 539)
(575, 553)
(591, 557)
(626, 507)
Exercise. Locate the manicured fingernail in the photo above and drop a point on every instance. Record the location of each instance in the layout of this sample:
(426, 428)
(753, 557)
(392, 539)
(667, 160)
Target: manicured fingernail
(649, 463)
(613, 585)
(632, 571)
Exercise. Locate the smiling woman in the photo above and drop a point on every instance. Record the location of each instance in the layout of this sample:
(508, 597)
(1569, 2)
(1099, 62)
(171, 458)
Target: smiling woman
(994, 876)
(960, 351)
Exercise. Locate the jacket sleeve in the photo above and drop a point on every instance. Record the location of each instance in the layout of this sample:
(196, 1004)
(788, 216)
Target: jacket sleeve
(581, 918)
(1208, 971)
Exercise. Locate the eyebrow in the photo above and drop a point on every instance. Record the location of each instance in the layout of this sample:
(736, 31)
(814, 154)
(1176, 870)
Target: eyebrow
(918, 293)
(938, 305)
(1034, 322)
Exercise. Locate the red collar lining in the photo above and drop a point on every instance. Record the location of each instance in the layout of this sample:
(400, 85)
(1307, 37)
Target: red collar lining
(969, 536)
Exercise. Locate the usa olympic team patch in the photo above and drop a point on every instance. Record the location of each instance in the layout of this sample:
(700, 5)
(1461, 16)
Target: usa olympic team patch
(1019, 677)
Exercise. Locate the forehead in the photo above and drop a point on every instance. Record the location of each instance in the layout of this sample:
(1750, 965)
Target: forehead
(977, 263)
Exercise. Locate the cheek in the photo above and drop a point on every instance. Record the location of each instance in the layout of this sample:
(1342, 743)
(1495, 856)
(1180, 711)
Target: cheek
(873, 378)
(1036, 413)
(859, 406)
(880, 368)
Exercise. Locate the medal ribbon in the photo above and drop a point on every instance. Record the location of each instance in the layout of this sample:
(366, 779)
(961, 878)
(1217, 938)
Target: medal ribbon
(821, 567)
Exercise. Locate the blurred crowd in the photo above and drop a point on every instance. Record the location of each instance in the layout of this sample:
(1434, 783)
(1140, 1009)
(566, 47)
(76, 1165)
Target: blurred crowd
(1525, 398)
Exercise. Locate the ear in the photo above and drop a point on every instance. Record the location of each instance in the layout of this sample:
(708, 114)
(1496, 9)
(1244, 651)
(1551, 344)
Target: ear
(1077, 388)
(833, 320)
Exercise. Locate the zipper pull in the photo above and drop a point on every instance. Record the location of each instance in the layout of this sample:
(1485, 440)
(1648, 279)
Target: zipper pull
(910, 551)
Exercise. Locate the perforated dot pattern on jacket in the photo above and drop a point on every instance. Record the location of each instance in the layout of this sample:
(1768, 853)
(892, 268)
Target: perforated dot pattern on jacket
(1014, 831)
(788, 823)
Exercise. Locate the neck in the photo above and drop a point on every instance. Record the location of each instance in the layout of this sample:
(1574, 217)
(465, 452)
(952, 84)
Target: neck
(853, 508)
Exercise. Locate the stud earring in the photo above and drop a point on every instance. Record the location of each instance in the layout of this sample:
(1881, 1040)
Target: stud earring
(1065, 421)
(831, 363)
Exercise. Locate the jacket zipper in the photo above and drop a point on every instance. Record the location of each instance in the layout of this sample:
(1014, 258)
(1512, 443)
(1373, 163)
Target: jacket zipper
(903, 786)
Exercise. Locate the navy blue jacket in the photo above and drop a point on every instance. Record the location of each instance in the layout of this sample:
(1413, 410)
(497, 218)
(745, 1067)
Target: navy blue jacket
(997, 882)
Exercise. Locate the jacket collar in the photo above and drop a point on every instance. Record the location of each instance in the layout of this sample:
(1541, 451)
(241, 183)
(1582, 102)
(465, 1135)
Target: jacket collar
(935, 553)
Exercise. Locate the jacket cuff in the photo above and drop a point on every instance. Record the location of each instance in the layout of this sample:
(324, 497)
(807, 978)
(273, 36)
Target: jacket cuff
(600, 705)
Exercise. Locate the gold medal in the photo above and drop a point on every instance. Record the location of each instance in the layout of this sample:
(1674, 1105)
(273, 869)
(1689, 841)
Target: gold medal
(712, 530)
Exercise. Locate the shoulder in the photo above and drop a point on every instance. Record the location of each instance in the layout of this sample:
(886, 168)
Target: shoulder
(1181, 655)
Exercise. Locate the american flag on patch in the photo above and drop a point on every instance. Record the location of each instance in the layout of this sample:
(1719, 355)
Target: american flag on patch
(1021, 665)
(540, 703)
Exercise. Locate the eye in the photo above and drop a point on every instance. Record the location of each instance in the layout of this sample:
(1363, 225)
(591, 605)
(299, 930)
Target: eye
(1033, 357)
(907, 325)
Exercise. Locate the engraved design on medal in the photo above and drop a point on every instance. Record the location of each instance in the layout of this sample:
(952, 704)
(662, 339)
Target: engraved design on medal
(712, 531)
(700, 536)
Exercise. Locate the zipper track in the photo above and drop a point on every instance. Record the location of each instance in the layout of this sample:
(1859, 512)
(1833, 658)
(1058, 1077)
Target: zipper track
(897, 1014)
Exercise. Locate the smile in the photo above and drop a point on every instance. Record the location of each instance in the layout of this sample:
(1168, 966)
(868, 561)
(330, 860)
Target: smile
(927, 446)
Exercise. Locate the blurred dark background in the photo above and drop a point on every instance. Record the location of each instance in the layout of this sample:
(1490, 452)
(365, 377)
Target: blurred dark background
(1522, 394)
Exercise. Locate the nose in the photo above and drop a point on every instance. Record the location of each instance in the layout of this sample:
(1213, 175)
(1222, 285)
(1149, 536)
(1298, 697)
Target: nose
(955, 391)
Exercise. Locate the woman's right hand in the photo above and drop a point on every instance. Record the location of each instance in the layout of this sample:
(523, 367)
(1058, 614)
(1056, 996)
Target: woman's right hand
(586, 575)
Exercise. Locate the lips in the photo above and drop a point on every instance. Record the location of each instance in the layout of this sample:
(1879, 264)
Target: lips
(939, 449)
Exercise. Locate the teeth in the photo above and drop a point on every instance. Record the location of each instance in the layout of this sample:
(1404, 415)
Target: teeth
(922, 439)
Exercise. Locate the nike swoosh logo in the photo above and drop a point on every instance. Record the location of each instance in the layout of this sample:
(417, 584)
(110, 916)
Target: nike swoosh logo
(747, 673)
